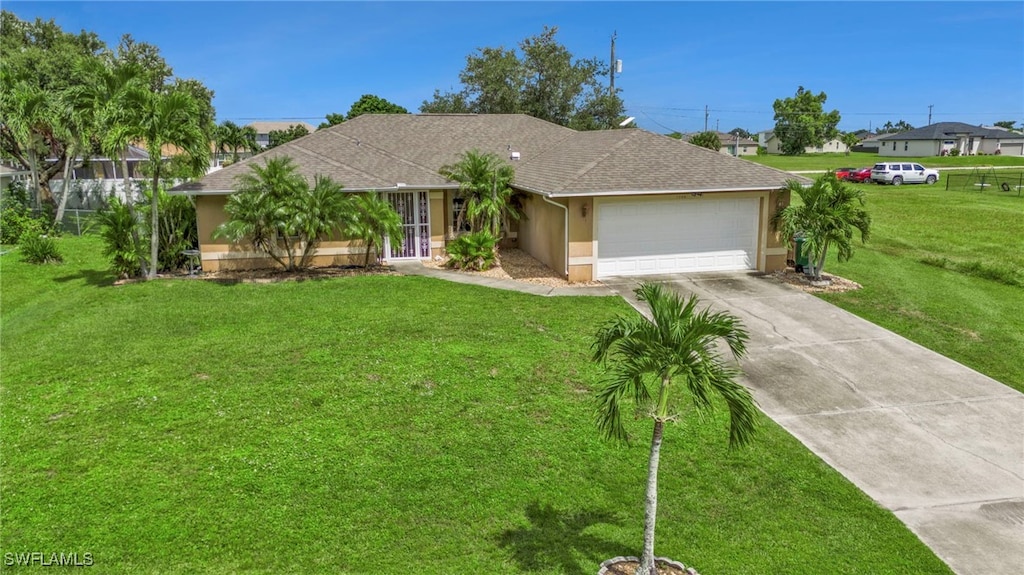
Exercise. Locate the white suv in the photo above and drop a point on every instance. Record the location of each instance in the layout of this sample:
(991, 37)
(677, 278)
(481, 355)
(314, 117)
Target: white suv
(901, 173)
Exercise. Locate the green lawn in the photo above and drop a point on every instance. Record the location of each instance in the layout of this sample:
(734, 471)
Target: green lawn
(373, 424)
(944, 269)
(862, 159)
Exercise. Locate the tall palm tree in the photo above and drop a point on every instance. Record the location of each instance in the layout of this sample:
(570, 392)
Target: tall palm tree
(652, 362)
(161, 119)
(28, 112)
(373, 220)
(485, 186)
(829, 213)
(231, 138)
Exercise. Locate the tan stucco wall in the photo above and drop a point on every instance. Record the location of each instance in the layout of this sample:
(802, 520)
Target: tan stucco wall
(774, 248)
(542, 232)
(438, 221)
(581, 239)
(219, 254)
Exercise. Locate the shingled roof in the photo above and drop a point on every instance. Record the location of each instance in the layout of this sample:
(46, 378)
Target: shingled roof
(945, 130)
(387, 151)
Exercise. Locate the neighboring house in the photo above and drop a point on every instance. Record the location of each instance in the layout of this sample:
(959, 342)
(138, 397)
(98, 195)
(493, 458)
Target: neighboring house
(97, 178)
(596, 204)
(263, 130)
(773, 145)
(867, 142)
(9, 175)
(730, 144)
(939, 139)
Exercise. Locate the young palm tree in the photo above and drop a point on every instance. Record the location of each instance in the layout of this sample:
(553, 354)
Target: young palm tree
(164, 119)
(27, 117)
(652, 362)
(484, 183)
(373, 219)
(829, 213)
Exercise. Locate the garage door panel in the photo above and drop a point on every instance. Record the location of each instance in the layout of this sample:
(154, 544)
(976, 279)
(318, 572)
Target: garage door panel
(672, 236)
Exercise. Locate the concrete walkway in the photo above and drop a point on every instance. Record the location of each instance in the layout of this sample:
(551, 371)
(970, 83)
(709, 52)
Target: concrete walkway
(938, 444)
(935, 442)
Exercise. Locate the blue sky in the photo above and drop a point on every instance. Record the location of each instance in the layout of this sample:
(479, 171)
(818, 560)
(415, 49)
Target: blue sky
(877, 61)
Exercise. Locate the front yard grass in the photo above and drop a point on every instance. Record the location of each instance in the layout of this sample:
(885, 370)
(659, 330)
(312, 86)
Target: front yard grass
(372, 424)
(862, 159)
(944, 269)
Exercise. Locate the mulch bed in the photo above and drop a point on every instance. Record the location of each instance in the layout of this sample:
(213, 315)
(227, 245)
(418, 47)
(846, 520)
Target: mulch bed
(833, 284)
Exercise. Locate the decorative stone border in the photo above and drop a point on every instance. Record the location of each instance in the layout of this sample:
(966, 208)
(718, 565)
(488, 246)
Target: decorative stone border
(606, 565)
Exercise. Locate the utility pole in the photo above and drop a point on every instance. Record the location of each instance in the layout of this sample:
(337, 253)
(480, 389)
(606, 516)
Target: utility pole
(930, 106)
(716, 124)
(705, 117)
(613, 35)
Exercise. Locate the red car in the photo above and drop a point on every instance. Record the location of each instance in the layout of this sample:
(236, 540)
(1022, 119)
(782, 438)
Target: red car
(843, 173)
(860, 176)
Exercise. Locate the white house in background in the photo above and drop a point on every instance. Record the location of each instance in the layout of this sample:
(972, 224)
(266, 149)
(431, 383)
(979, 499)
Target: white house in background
(941, 138)
(263, 129)
(9, 175)
(773, 145)
(98, 178)
(731, 145)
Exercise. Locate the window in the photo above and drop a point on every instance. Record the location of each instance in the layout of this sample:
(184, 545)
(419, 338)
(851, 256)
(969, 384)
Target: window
(457, 207)
(919, 167)
(907, 167)
(906, 146)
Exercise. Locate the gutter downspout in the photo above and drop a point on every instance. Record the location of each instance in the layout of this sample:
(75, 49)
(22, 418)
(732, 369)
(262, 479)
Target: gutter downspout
(566, 244)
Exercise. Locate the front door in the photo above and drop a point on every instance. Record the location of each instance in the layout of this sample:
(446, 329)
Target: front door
(414, 210)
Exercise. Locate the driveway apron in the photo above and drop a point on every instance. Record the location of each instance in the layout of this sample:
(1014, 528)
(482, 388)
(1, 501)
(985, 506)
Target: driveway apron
(937, 443)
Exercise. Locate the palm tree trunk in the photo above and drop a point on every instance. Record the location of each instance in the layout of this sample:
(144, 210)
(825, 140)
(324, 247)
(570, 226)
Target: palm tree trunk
(154, 212)
(62, 205)
(820, 263)
(129, 201)
(651, 502)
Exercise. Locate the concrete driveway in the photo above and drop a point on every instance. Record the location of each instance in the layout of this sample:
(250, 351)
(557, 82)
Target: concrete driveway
(937, 443)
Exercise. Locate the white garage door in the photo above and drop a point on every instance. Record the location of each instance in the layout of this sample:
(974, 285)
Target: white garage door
(673, 235)
(1011, 149)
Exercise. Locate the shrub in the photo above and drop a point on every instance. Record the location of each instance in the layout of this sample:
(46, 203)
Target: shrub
(954, 152)
(17, 219)
(472, 251)
(178, 228)
(117, 224)
(39, 249)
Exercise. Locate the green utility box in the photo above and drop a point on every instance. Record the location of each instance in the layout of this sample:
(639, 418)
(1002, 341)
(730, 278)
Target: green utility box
(800, 256)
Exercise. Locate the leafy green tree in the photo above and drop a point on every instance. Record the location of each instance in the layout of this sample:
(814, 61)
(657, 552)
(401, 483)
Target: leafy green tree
(654, 363)
(741, 133)
(332, 119)
(1008, 124)
(373, 220)
(829, 213)
(801, 121)
(849, 139)
(294, 132)
(371, 104)
(160, 119)
(675, 135)
(543, 79)
(275, 209)
(485, 186)
(709, 140)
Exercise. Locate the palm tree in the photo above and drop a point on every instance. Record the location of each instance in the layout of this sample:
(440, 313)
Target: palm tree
(231, 138)
(649, 358)
(161, 119)
(373, 219)
(828, 213)
(485, 186)
(275, 209)
(27, 118)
